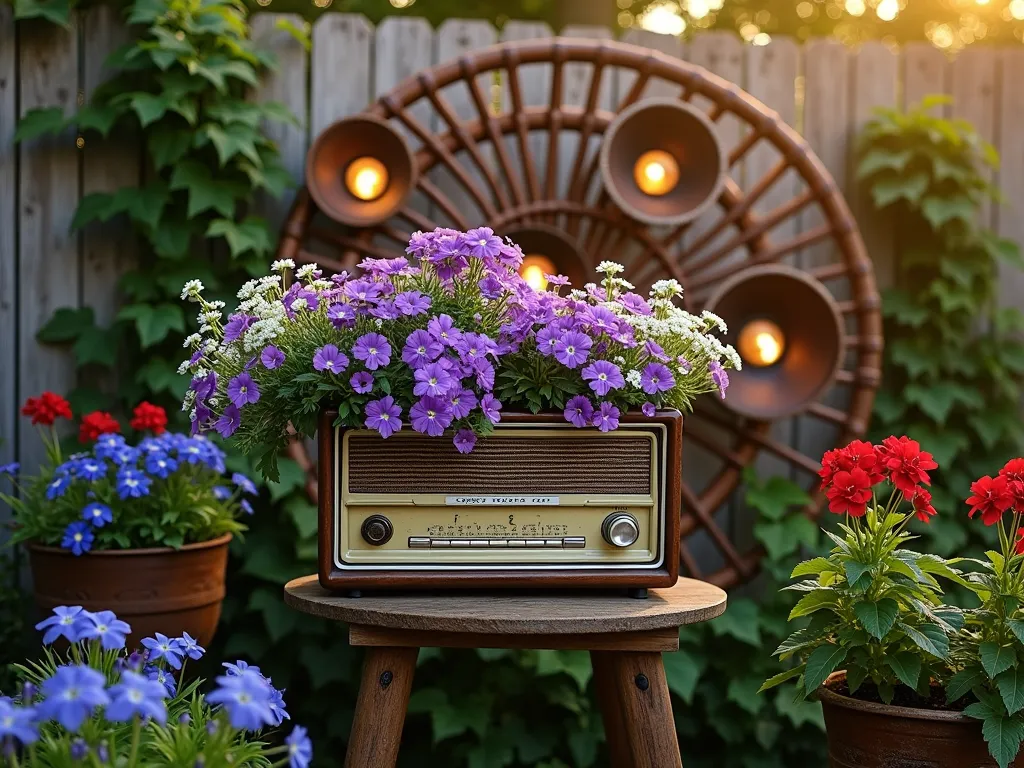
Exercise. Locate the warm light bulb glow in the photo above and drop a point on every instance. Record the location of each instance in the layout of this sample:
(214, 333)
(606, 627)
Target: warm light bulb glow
(533, 269)
(761, 343)
(656, 172)
(366, 178)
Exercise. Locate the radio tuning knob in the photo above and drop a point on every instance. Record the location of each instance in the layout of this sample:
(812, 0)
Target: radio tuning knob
(377, 530)
(620, 529)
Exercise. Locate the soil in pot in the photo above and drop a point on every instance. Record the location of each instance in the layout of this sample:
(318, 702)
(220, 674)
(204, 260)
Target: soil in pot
(871, 734)
(154, 590)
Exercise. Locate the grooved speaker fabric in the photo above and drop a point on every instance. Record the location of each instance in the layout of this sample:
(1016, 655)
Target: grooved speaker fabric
(500, 465)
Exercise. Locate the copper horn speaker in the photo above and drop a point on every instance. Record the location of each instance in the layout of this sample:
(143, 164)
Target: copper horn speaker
(360, 171)
(662, 162)
(550, 250)
(789, 333)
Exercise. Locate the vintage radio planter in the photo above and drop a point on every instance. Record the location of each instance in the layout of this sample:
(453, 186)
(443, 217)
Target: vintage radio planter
(539, 503)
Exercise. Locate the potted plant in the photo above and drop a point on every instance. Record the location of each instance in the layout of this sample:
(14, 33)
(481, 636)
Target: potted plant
(141, 527)
(442, 343)
(915, 675)
(96, 704)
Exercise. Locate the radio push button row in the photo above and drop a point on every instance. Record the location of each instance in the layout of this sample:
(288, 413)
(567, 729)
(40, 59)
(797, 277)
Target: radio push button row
(517, 542)
(620, 529)
(553, 543)
(444, 543)
(574, 542)
(419, 542)
(377, 530)
(475, 543)
(460, 543)
(534, 543)
(498, 542)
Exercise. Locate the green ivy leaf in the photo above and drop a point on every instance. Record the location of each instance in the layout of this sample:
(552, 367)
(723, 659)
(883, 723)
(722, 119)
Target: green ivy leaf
(97, 117)
(55, 11)
(996, 658)
(774, 498)
(204, 192)
(683, 670)
(231, 140)
(889, 407)
(39, 122)
(149, 107)
(160, 376)
(907, 667)
(576, 664)
(877, 617)
(915, 355)
(167, 145)
(821, 664)
(900, 306)
(937, 400)
(218, 68)
(153, 322)
(65, 324)
(786, 537)
(740, 621)
(250, 235)
(892, 187)
(881, 158)
(798, 711)
(291, 479)
(940, 211)
(278, 619)
(953, 297)
(96, 346)
(742, 692)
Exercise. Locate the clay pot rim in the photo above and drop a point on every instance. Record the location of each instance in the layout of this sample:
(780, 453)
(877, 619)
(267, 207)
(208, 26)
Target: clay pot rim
(221, 540)
(940, 715)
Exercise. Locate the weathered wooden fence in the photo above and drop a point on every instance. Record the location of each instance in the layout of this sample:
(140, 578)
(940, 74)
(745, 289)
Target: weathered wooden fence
(826, 90)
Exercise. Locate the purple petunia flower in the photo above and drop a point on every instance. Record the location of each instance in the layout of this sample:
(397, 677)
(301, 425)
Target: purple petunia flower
(648, 409)
(547, 338)
(246, 697)
(607, 417)
(105, 627)
(557, 280)
(236, 325)
(229, 421)
(72, 694)
(484, 374)
(432, 379)
(482, 242)
(655, 378)
(363, 290)
(17, 723)
(65, 622)
(341, 315)
(362, 382)
(162, 647)
(329, 359)
(412, 303)
(462, 402)
(373, 349)
(652, 348)
(602, 320)
(384, 415)
(78, 537)
(420, 348)
(464, 440)
(578, 411)
(97, 514)
(300, 748)
(635, 303)
(443, 329)
(719, 376)
(242, 390)
(203, 386)
(603, 377)
(136, 695)
(491, 406)
(271, 357)
(572, 349)
(430, 416)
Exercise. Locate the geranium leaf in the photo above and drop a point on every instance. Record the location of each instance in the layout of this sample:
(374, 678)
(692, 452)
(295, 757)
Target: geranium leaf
(821, 664)
(929, 638)
(812, 602)
(962, 682)
(780, 678)
(907, 667)
(1003, 736)
(1017, 627)
(996, 658)
(877, 617)
(1011, 688)
(812, 567)
(854, 571)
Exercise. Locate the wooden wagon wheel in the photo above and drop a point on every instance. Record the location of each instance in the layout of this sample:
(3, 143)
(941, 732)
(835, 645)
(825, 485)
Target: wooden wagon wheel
(498, 161)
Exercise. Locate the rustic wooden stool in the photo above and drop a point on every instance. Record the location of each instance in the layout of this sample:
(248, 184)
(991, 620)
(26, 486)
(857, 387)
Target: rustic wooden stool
(625, 638)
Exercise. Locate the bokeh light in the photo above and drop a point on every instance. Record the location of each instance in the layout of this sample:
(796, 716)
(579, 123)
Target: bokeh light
(664, 18)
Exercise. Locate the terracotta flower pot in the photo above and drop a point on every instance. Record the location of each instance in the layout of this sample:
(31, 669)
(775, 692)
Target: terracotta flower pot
(865, 734)
(155, 590)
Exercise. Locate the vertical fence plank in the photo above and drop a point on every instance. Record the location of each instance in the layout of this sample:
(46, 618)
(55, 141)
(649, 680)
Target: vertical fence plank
(973, 87)
(341, 68)
(875, 72)
(1010, 218)
(285, 84)
(48, 259)
(8, 255)
(925, 72)
(108, 249)
(667, 44)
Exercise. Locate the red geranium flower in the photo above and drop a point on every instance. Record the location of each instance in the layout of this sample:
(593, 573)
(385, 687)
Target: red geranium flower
(46, 408)
(907, 463)
(850, 492)
(830, 464)
(992, 497)
(151, 417)
(1014, 474)
(923, 505)
(95, 424)
(859, 454)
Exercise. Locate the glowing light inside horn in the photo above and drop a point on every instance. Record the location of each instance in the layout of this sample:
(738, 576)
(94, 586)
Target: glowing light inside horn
(366, 178)
(761, 343)
(656, 173)
(533, 269)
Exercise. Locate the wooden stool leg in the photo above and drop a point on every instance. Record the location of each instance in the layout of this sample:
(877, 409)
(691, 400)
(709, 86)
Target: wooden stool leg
(380, 708)
(637, 688)
(611, 709)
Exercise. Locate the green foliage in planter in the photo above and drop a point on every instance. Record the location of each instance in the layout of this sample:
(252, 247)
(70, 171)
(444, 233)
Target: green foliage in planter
(954, 359)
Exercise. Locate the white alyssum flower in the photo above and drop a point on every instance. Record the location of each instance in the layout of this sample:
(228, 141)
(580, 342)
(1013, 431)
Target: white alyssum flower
(193, 341)
(378, 322)
(618, 282)
(577, 294)
(633, 378)
(190, 398)
(247, 289)
(300, 304)
(714, 320)
(610, 268)
(282, 265)
(213, 316)
(216, 305)
(306, 271)
(666, 289)
(183, 368)
(619, 359)
(191, 290)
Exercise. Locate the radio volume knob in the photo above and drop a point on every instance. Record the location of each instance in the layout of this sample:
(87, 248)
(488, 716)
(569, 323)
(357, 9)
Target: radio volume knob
(620, 529)
(377, 530)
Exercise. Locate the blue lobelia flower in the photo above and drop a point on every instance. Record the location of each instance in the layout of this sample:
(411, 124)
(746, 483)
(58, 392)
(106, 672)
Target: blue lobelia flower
(163, 647)
(221, 492)
(89, 468)
(190, 646)
(105, 627)
(246, 697)
(131, 483)
(300, 748)
(124, 456)
(71, 695)
(159, 464)
(79, 750)
(58, 486)
(246, 506)
(63, 623)
(137, 695)
(107, 445)
(239, 667)
(162, 676)
(97, 514)
(277, 705)
(17, 723)
(243, 482)
(10, 469)
(78, 537)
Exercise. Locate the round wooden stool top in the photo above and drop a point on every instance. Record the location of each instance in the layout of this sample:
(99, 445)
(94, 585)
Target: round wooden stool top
(514, 613)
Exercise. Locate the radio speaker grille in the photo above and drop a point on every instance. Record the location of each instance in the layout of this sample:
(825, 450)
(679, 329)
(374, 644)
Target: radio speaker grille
(499, 465)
